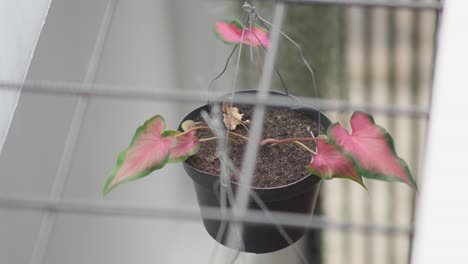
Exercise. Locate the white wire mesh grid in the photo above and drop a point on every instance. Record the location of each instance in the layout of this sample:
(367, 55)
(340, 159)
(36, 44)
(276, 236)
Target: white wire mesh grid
(54, 204)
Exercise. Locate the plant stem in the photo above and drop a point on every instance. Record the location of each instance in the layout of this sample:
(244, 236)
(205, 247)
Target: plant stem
(297, 141)
(208, 128)
(289, 140)
(213, 138)
(239, 136)
(193, 129)
(207, 139)
(259, 61)
(304, 147)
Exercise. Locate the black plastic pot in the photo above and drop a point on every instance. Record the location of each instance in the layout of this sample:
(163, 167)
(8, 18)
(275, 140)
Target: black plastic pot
(297, 197)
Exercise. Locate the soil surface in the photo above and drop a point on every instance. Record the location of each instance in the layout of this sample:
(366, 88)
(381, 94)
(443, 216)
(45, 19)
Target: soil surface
(276, 165)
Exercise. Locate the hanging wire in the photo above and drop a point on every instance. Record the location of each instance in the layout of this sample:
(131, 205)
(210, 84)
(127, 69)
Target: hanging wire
(299, 48)
(280, 228)
(283, 83)
(224, 69)
(250, 9)
(248, 162)
(226, 193)
(236, 73)
(230, 167)
(301, 53)
(235, 234)
(249, 21)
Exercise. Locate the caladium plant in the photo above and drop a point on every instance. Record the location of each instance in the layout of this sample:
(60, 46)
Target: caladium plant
(150, 149)
(371, 148)
(230, 32)
(365, 151)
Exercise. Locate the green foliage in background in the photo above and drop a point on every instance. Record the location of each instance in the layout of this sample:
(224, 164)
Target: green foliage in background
(317, 29)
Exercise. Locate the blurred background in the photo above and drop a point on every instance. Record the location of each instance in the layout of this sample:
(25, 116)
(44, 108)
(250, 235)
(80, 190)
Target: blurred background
(63, 147)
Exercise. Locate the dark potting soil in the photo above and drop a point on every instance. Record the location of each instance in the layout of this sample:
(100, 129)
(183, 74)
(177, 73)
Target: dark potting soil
(276, 165)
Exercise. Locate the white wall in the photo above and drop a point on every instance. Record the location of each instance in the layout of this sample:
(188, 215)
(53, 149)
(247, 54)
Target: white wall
(21, 22)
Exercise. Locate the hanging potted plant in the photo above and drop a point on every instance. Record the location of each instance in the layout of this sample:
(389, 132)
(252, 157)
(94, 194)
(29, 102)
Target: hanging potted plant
(299, 147)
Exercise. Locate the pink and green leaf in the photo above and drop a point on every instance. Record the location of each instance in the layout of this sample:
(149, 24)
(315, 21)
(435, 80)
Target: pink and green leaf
(149, 150)
(230, 32)
(331, 163)
(371, 147)
(187, 144)
(258, 35)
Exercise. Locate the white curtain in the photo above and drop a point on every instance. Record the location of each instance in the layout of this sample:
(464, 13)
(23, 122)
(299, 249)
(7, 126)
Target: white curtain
(21, 22)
